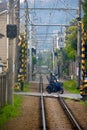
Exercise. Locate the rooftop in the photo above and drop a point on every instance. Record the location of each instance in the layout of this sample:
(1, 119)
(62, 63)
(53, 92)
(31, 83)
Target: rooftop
(3, 6)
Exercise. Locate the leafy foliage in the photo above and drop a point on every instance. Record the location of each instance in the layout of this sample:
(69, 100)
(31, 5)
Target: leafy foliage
(84, 5)
(71, 42)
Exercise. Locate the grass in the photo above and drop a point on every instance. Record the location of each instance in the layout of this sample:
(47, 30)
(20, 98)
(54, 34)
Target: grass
(84, 103)
(26, 87)
(70, 86)
(9, 111)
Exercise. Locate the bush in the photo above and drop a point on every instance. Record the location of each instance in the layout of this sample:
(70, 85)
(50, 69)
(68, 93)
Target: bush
(9, 111)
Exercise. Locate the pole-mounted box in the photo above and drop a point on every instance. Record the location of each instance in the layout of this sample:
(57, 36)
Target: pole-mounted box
(11, 30)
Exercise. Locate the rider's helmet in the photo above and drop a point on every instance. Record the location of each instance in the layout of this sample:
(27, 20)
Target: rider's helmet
(50, 72)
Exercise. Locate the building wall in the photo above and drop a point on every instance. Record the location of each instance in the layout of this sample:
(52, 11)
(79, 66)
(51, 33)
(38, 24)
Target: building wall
(4, 46)
(3, 40)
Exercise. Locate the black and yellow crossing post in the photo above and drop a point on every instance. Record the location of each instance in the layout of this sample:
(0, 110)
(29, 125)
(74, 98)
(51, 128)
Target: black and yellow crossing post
(83, 87)
(22, 47)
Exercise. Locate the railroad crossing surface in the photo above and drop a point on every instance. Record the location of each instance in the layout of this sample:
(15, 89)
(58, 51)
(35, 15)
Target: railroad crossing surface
(65, 95)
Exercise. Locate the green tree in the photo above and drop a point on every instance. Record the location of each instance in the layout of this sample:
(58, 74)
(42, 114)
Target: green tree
(84, 6)
(70, 50)
(71, 42)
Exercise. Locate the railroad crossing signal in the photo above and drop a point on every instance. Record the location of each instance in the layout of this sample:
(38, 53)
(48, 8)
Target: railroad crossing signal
(83, 87)
(11, 31)
(33, 51)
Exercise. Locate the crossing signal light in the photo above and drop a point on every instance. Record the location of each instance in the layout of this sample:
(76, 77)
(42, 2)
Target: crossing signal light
(11, 31)
(55, 53)
(33, 51)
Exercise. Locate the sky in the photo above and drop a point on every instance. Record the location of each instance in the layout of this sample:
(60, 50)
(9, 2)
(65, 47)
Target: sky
(49, 17)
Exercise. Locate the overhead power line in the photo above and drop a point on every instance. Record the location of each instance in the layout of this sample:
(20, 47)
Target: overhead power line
(45, 33)
(49, 25)
(57, 9)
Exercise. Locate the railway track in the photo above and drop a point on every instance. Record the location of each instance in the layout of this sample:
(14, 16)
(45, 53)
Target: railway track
(70, 115)
(72, 122)
(47, 112)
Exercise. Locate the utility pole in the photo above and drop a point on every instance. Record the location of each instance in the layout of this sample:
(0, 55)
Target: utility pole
(10, 57)
(18, 31)
(25, 28)
(30, 51)
(53, 55)
(26, 37)
(79, 46)
(30, 45)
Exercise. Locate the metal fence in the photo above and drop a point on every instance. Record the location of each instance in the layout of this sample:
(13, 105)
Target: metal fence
(3, 89)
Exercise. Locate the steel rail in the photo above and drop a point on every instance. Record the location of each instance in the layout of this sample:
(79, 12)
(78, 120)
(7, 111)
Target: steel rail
(42, 103)
(69, 114)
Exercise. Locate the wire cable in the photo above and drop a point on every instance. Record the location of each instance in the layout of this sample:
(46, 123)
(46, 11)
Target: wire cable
(62, 1)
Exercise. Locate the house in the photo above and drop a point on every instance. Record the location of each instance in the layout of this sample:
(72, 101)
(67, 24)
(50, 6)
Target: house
(3, 38)
(4, 41)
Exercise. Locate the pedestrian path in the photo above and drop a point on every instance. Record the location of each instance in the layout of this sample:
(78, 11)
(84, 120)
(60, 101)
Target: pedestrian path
(72, 96)
(66, 95)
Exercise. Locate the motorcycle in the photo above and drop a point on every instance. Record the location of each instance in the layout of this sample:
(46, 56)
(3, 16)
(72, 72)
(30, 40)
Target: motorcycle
(55, 86)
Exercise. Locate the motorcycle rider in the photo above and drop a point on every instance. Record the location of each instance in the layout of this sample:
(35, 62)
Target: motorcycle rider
(54, 85)
(52, 78)
(52, 81)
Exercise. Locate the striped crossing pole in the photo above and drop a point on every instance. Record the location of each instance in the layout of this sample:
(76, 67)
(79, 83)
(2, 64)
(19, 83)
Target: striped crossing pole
(22, 47)
(83, 87)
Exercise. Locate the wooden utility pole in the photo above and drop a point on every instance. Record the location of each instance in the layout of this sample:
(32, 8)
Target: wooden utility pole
(10, 57)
